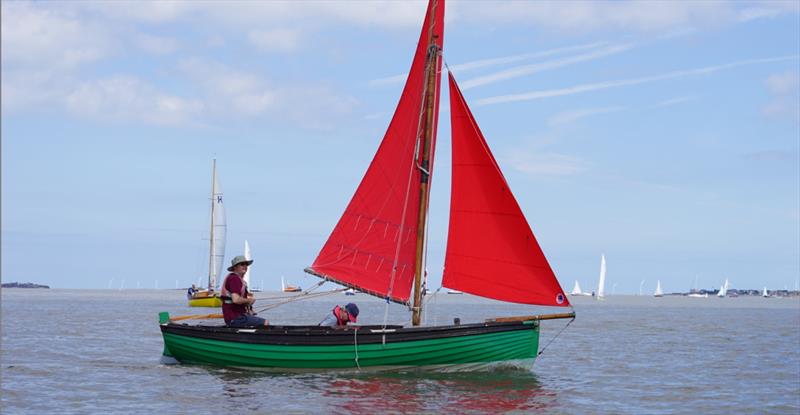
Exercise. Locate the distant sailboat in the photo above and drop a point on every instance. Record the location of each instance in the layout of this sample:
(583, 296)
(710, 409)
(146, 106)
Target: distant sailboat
(765, 294)
(247, 274)
(698, 295)
(577, 290)
(658, 292)
(601, 285)
(247, 257)
(723, 291)
(216, 255)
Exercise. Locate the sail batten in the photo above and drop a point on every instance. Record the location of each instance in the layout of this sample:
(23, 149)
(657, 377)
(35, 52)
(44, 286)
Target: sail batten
(491, 250)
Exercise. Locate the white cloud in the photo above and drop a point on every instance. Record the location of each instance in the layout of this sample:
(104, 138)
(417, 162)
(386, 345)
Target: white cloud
(784, 90)
(545, 164)
(33, 36)
(281, 40)
(124, 98)
(786, 83)
(584, 16)
(157, 45)
(161, 11)
(783, 156)
(227, 91)
(747, 15)
(567, 117)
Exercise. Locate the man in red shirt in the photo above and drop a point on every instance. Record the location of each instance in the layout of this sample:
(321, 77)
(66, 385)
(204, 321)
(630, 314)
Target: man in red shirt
(237, 301)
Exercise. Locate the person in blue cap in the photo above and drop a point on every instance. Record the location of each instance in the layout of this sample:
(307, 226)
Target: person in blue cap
(340, 316)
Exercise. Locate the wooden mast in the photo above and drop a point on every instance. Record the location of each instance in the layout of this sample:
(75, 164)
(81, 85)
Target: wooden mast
(424, 163)
(212, 268)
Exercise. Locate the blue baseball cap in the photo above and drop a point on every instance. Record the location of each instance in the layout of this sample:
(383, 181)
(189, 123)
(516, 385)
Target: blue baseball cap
(352, 310)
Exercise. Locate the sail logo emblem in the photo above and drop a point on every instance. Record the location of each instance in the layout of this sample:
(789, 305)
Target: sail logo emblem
(560, 298)
(219, 199)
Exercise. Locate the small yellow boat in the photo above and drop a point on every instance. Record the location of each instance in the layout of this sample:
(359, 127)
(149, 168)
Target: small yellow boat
(202, 299)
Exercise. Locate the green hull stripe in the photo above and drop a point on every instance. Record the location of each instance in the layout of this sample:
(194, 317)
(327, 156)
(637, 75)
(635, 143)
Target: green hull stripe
(492, 347)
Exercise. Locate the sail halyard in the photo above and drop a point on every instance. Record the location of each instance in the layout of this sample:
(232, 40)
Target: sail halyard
(373, 247)
(491, 250)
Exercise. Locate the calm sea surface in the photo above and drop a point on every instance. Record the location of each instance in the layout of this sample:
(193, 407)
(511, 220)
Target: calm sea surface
(93, 351)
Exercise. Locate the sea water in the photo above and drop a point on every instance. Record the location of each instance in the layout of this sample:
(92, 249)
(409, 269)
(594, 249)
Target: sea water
(99, 351)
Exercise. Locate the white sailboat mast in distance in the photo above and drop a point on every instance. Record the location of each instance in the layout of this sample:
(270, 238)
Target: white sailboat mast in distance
(601, 285)
(658, 292)
(577, 289)
(723, 291)
(247, 257)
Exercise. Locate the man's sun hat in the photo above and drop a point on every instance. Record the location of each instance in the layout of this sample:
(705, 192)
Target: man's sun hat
(240, 259)
(352, 310)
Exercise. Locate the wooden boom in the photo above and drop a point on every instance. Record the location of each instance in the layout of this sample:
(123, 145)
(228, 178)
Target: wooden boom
(526, 318)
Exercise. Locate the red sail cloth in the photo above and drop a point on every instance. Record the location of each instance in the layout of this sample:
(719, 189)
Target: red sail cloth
(491, 250)
(363, 249)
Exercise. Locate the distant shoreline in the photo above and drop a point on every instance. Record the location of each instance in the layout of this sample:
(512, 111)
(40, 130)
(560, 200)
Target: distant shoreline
(23, 285)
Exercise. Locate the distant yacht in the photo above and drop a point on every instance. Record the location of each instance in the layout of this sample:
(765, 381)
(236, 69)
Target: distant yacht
(698, 295)
(723, 291)
(658, 292)
(454, 292)
(350, 291)
(248, 257)
(601, 285)
(577, 290)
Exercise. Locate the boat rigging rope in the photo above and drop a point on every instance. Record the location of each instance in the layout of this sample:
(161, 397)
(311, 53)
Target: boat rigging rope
(557, 334)
(306, 295)
(355, 343)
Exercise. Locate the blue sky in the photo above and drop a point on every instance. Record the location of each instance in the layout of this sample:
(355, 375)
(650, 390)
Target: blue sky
(662, 134)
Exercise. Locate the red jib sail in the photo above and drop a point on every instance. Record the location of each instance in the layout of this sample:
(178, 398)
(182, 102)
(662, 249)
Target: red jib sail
(491, 250)
(373, 247)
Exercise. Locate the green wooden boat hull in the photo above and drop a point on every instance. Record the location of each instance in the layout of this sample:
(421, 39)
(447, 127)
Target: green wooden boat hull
(309, 347)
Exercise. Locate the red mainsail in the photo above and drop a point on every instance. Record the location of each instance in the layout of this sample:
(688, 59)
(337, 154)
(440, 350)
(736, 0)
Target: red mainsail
(373, 247)
(491, 250)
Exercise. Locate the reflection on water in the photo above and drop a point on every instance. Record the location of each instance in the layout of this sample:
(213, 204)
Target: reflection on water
(413, 392)
(499, 390)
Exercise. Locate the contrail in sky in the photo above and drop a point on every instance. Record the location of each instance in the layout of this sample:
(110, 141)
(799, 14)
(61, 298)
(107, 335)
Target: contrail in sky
(484, 63)
(577, 89)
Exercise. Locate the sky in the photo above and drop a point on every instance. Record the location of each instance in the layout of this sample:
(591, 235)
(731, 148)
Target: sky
(664, 135)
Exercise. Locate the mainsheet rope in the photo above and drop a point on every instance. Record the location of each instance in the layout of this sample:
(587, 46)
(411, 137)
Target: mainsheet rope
(306, 295)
